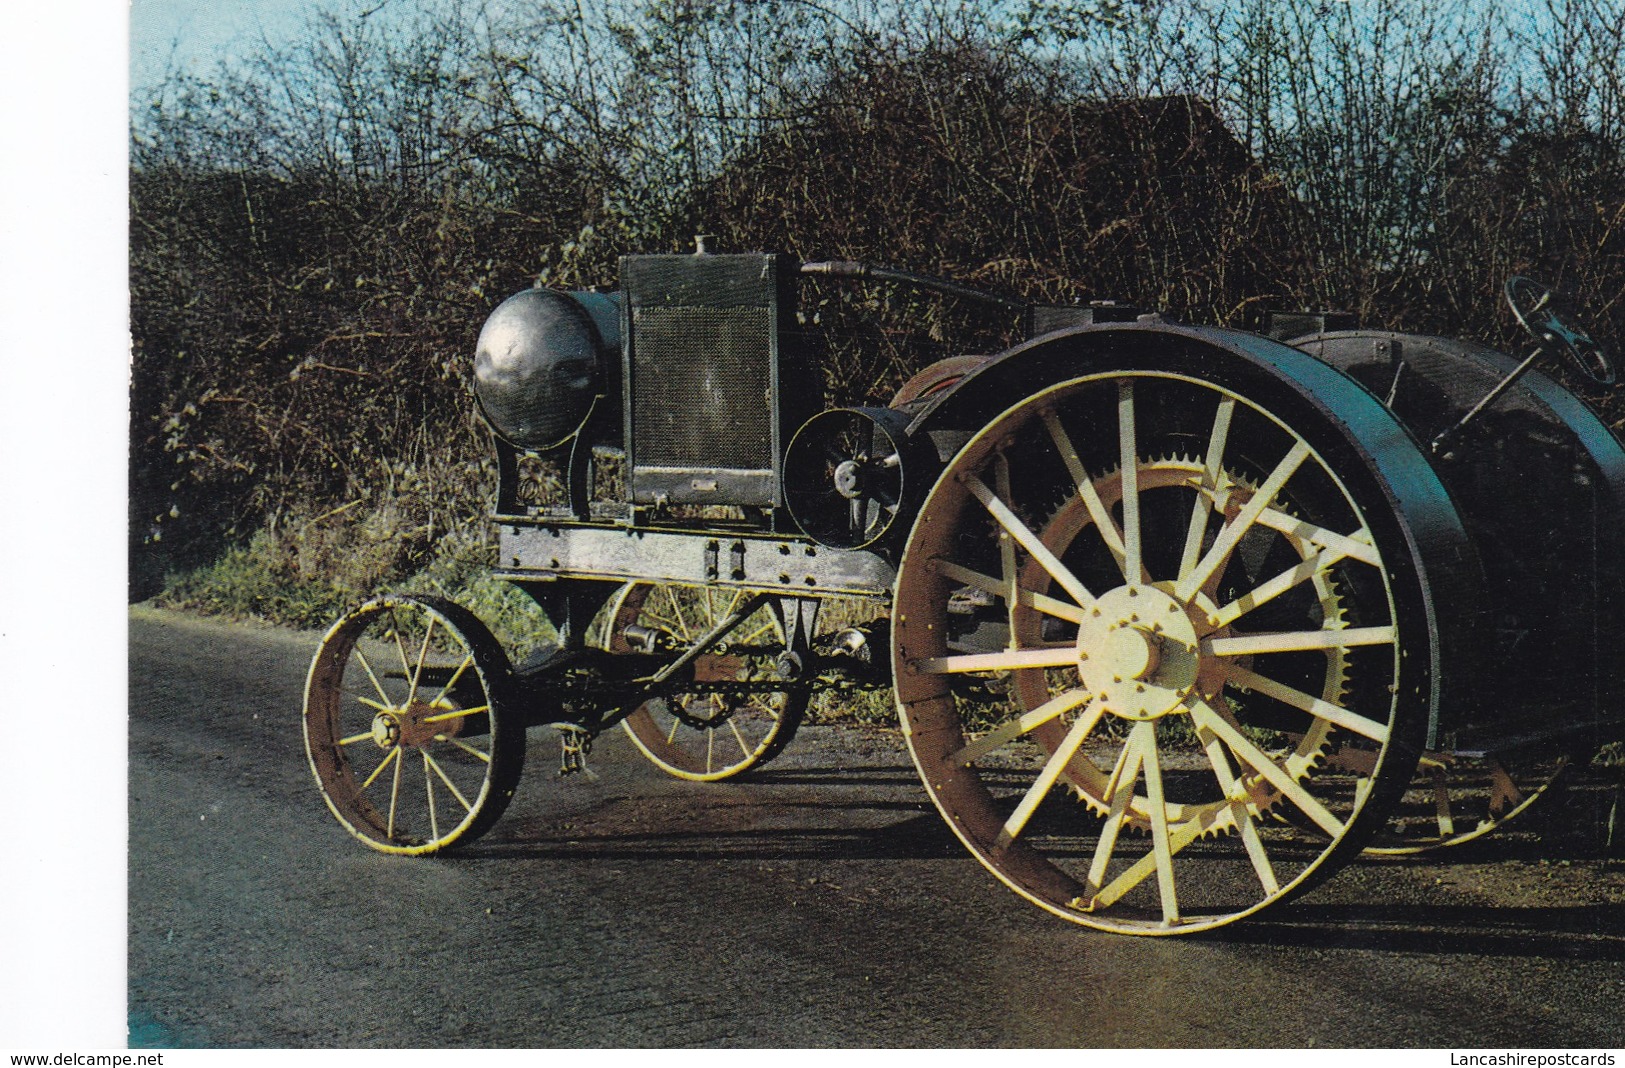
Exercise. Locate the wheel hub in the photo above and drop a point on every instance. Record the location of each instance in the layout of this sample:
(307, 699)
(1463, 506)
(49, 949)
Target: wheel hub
(411, 725)
(849, 479)
(1138, 653)
(386, 730)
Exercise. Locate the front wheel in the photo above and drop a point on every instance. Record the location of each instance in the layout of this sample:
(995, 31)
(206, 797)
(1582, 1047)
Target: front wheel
(406, 728)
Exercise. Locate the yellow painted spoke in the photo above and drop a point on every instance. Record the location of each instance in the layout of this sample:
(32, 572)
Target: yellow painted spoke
(1057, 762)
(428, 786)
(370, 703)
(1297, 641)
(1315, 706)
(1237, 795)
(394, 795)
(1098, 512)
(1161, 849)
(364, 736)
(671, 735)
(1142, 869)
(1005, 733)
(1038, 601)
(1009, 659)
(464, 746)
(1029, 541)
(710, 744)
(1120, 790)
(1010, 584)
(1128, 461)
(1441, 802)
(455, 675)
(740, 738)
(382, 695)
(458, 713)
(687, 634)
(1212, 471)
(400, 646)
(1356, 546)
(423, 654)
(1265, 592)
(1250, 754)
(765, 628)
(382, 764)
(458, 794)
(1231, 534)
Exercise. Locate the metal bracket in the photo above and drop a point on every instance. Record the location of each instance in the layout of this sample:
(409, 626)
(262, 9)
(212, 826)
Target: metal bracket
(1441, 444)
(574, 745)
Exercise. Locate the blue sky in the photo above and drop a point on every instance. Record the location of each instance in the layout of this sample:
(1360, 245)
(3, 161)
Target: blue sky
(201, 33)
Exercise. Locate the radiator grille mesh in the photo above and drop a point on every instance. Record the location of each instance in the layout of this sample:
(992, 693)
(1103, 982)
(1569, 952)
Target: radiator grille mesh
(703, 383)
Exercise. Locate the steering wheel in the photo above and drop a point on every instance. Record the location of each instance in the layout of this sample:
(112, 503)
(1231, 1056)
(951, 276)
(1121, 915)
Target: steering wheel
(1553, 326)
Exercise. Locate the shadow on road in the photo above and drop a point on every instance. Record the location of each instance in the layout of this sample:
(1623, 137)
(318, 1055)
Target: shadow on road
(1589, 932)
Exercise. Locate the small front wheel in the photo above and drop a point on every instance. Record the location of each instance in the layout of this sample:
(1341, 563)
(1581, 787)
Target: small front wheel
(405, 725)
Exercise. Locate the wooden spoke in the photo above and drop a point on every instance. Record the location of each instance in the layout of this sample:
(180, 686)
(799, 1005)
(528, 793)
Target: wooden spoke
(439, 771)
(1099, 514)
(1161, 849)
(1315, 706)
(1441, 803)
(364, 736)
(1009, 660)
(428, 787)
(468, 662)
(1295, 641)
(1027, 598)
(456, 713)
(1231, 534)
(1356, 546)
(400, 646)
(1006, 733)
(1265, 592)
(423, 655)
(394, 792)
(465, 747)
(1029, 541)
(1128, 466)
(1046, 778)
(744, 747)
(382, 764)
(1232, 788)
(1260, 761)
(1010, 582)
(1212, 474)
(382, 695)
(1120, 790)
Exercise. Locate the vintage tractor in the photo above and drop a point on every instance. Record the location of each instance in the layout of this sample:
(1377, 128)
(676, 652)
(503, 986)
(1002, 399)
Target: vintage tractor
(1179, 619)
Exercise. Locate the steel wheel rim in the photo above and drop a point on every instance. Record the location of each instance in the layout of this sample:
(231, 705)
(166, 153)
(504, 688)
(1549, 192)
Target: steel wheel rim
(963, 771)
(709, 737)
(404, 727)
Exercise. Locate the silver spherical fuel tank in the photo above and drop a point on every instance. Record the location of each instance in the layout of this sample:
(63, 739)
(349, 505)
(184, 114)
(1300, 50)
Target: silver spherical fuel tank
(542, 357)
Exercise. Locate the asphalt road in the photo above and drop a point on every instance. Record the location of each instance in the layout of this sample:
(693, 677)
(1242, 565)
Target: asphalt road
(822, 904)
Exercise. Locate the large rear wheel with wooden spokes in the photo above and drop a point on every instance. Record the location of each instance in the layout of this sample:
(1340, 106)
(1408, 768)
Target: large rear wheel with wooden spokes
(1137, 614)
(406, 728)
